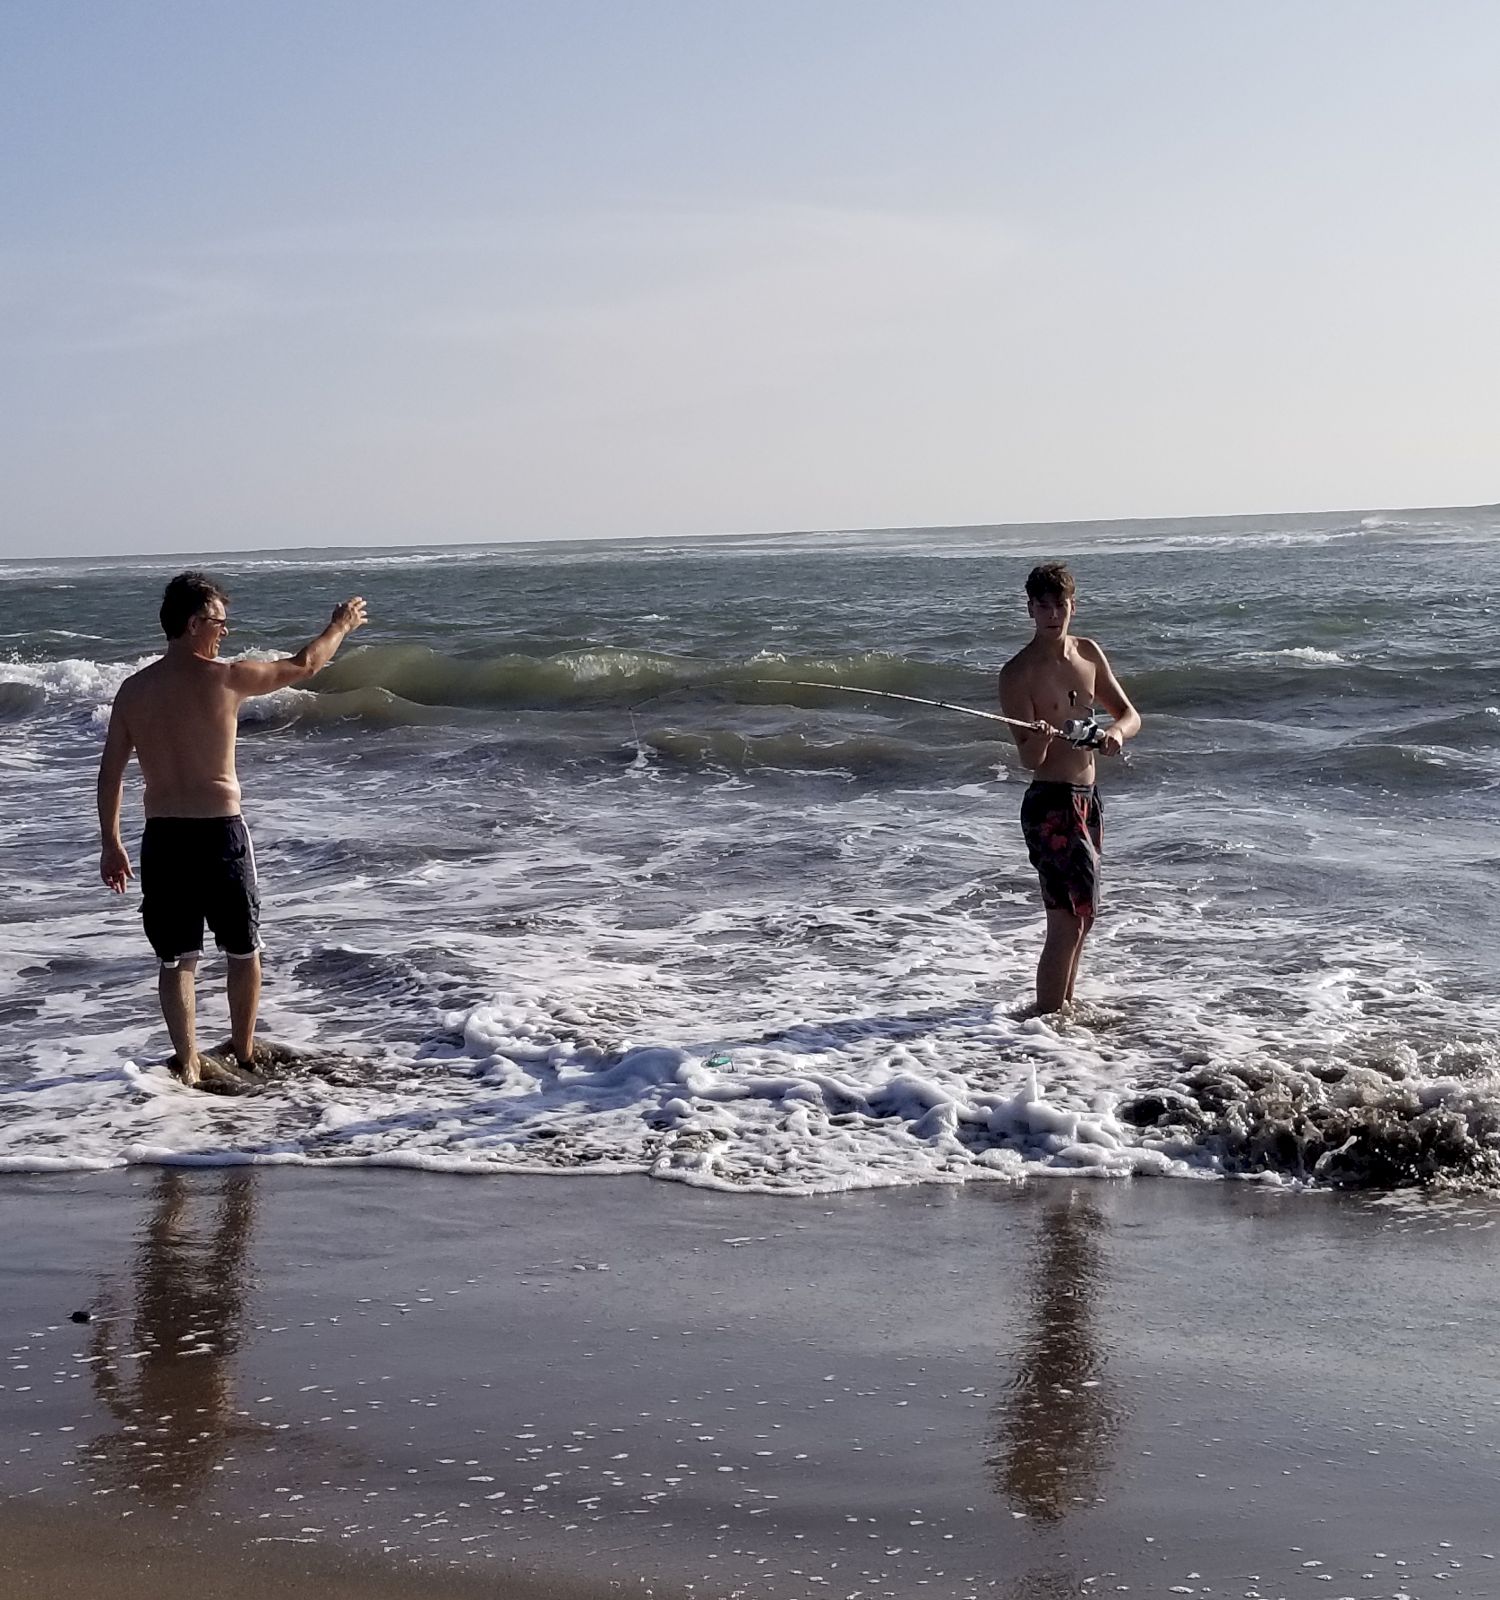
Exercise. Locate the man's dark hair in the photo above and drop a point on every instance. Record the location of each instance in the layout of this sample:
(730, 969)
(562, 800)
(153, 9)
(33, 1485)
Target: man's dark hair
(185, 596)
(1050, 581)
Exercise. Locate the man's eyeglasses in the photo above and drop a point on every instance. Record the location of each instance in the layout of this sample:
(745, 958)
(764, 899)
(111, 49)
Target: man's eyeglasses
(221, 623)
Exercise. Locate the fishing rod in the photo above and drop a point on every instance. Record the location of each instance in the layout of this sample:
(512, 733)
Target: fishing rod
(1084, 732)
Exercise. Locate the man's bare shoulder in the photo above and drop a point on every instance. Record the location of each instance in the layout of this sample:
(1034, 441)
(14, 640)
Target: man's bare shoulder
(138, 683)
(165, 679)
(1092, 651)
(1018, 666)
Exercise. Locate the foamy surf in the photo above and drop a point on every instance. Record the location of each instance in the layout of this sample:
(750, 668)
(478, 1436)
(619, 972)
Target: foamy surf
(1354, 1077)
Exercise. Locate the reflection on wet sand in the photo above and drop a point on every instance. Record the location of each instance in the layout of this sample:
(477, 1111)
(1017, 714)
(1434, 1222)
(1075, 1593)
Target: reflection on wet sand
(165, 1370)
(1058, 1421)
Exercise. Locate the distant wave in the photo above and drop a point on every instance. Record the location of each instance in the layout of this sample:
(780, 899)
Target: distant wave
(607, 676)
(1307, 652)
(74, 684)
(1345, 691)
(19, 699)
(412, 685)
(869, 756)
(373, 705)
(1400, 768)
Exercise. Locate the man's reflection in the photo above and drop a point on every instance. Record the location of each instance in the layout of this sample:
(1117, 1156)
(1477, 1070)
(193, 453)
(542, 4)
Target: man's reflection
(167, 1370)
(1059, 1418)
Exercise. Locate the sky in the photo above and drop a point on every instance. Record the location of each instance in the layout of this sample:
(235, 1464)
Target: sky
(298, 272)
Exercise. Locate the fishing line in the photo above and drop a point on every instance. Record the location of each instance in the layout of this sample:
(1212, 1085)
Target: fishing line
(1087, 733)
(1084, 733)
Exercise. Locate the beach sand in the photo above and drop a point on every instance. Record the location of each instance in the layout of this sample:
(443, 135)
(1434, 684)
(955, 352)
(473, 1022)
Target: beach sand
(386, 1382)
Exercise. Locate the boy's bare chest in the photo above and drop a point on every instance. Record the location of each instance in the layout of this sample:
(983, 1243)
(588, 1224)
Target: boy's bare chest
(1063, 689)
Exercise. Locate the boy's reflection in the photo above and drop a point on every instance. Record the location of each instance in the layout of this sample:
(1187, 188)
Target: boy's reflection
(176, 1408)
(1055, 1426)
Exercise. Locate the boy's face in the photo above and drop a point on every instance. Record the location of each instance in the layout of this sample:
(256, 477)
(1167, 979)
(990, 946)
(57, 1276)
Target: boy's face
(1052, 614)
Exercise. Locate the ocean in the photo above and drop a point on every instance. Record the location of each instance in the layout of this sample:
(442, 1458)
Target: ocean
(560, 874)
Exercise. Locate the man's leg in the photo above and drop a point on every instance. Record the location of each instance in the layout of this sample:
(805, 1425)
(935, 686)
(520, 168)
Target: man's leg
(177, 986)
(244, 1002)
(1054, 972)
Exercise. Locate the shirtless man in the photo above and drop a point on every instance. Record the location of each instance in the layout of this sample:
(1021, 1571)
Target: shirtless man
(180, 717)
(1056, 679)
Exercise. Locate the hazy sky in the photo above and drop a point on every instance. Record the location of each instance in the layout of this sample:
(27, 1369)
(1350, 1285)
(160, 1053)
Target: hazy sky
(281, 272)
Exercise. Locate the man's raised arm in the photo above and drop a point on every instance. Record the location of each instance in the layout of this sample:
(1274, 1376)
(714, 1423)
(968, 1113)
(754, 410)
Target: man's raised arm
(249, 678)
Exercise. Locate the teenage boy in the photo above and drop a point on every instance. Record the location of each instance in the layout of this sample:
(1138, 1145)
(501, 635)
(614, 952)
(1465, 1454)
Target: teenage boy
(1054, 679)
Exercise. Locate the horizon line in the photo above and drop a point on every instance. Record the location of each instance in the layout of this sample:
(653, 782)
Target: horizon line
(725, 536)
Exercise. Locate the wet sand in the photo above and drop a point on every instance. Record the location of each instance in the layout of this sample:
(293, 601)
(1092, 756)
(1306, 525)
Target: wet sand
(63, 1555)
(365, 1382)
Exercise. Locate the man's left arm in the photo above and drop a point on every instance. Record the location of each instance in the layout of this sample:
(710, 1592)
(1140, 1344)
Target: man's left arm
(114, 861)
(1109, 694)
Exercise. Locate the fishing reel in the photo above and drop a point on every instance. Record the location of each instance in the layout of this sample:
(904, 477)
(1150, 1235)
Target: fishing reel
(1084, 732)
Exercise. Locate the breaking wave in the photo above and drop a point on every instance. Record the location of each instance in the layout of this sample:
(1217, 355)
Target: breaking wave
(617, 676)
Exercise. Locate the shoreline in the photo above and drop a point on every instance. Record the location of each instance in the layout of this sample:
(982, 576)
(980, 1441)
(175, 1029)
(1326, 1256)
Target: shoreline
(1050, 1389)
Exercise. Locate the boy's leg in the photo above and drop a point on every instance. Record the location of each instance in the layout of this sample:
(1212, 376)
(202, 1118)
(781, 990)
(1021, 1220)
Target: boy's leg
(1059, 962)
(244, 1003)
(1084, 924)
(177, 987)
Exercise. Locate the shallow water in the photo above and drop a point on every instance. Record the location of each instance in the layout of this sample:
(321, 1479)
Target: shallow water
(553, 856)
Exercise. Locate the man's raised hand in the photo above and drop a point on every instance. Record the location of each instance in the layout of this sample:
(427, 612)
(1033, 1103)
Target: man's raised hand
(350, 614)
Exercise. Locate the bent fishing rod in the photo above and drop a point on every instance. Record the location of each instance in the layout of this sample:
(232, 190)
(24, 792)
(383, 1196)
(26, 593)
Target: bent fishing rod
(1085, 732)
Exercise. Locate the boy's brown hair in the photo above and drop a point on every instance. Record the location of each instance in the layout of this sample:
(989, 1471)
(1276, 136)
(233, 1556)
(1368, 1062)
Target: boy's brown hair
(1050, 581)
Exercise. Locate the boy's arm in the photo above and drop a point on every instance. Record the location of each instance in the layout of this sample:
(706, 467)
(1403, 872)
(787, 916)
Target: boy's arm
(1034, 741)
(248, 678)
(114, 863)
(1112, 697)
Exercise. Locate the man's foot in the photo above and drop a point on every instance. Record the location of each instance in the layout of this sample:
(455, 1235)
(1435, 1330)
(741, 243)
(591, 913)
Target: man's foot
(191, 1074)
(253, 1060)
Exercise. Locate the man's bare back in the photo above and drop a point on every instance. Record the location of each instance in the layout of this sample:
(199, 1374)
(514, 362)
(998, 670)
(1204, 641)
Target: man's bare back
(182, 717)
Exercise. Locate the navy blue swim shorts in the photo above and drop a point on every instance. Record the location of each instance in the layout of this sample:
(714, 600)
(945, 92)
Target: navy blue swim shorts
(196, 870)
